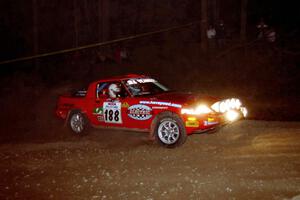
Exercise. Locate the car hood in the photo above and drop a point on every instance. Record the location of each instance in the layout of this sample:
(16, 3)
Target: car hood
(184, 99)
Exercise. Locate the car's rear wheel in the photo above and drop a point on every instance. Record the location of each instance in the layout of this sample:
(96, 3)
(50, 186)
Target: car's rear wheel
(78, 123)
(169, 130)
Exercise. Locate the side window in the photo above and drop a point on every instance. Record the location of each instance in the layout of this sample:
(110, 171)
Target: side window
(123, 93)
(102, 91)
(111, 90)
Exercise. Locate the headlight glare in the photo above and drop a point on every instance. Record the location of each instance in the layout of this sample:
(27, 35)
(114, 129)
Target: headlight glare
(223, 107)
(227, 104)
(201, 109)
(244, 111)
(232, 115)
(216, 106)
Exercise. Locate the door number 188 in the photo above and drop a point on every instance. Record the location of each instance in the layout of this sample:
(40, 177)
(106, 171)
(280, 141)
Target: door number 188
(111, 115)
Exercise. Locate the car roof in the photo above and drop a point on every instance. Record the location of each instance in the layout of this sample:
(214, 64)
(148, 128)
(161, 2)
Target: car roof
(122, 77)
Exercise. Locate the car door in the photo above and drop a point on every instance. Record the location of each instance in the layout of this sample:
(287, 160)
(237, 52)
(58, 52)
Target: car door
(136, 115)
(101, 96)
(108, 110)
(122, 111)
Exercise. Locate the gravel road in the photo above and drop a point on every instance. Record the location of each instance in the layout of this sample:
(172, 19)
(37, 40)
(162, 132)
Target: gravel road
(245, 160)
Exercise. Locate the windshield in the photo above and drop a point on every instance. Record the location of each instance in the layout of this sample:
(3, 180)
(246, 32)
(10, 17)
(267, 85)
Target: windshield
(144, 86)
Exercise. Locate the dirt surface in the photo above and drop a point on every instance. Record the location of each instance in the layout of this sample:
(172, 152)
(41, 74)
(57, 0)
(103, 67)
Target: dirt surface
(245, 160)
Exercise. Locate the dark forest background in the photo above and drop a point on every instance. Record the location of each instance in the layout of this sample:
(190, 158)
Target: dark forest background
(41, 26)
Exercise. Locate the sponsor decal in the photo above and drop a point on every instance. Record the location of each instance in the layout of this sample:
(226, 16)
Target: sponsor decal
(125, 105)
(160, 107)
(100, 118)
(139, 112)
(210, 121)
(112, 104)
(160, 103)
(98, 111)
(140, 80)
(192, 124)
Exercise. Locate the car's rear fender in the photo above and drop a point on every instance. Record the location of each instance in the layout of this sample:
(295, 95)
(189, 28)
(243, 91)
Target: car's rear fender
(71, 111)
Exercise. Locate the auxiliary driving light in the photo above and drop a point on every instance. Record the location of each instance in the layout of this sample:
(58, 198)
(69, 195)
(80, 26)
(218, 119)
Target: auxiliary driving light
(201, 109)
(226, 105)
(244, 111)
(232, 115)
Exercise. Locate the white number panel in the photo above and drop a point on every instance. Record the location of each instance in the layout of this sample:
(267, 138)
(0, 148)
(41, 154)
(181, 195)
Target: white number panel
(112, 112)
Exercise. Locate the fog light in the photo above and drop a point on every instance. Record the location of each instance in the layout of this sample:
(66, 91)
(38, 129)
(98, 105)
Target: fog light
(232, 115)
(192, 118)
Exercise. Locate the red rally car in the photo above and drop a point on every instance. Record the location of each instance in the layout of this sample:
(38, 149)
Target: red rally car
(140, 103)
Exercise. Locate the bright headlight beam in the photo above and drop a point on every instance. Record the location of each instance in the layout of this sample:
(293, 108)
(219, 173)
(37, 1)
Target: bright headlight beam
(216, 106)
(223, 107)
(237, 103)
(226, 105)
(232, 115)
(244, 111)
(201, 109)
(234, 103)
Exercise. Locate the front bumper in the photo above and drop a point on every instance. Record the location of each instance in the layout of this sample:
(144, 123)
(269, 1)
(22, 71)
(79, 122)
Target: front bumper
(213, 121)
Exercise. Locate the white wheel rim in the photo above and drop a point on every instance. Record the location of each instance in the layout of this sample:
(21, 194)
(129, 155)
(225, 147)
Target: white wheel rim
(168, 132)
(77, 123)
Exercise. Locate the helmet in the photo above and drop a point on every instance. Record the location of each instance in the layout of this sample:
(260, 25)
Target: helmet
(113, 90)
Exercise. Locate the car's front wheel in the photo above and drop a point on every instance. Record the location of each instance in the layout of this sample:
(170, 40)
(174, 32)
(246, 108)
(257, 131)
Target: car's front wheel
(169, 130)
(78, 123)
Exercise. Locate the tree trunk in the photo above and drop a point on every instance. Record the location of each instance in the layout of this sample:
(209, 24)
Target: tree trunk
(203, 25)
(87, 18)
(100, 18)
(215, 8)
(105, 20)
(35, 32)
(243, 35)
(75, 15)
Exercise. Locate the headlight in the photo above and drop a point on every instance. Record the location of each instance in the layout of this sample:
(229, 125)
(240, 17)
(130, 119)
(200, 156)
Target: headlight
(232, 115)
(228, 104)
(244, 111)
(201, 109)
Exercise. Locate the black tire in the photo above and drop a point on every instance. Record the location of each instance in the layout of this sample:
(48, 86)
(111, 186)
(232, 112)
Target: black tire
(169, 130)
(78, 123)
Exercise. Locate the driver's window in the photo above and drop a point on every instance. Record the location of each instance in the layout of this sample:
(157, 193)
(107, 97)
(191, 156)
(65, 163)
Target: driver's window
(111, 90)
(101, 90)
